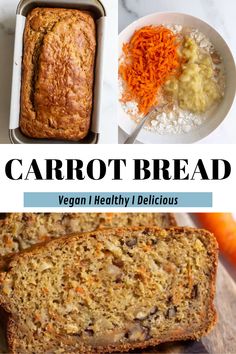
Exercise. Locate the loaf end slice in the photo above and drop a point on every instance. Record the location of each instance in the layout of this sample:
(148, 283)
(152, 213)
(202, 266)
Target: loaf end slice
(19, 231)
(111, 290)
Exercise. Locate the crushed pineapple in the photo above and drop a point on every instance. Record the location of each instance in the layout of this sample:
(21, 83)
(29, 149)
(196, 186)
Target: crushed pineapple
(196, 88)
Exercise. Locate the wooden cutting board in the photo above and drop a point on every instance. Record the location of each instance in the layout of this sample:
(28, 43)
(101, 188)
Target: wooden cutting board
(222, 340)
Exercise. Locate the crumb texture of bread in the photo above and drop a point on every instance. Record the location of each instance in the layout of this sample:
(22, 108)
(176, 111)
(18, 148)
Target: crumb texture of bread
(58, 73)
(111, 290)
(19, 231)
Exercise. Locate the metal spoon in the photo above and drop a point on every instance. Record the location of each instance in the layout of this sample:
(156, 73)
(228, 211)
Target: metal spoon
(131, 139)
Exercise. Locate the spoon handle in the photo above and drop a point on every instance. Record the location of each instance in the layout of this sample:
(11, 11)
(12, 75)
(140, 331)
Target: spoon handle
(131, 139)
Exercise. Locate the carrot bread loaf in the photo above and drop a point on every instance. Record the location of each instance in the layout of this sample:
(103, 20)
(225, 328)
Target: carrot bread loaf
(58, 70)
(110, 290)
(22, 230)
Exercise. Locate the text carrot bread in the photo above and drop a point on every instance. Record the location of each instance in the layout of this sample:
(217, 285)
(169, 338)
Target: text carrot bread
(111, 290)
(19, 231)
(58, 72)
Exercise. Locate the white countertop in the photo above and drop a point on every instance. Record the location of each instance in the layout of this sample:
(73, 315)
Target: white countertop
(220, 14)
(109, 99)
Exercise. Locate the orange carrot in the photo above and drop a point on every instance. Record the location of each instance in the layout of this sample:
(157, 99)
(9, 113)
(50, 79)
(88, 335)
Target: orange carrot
(149, 59)
(223, 226)
(79, 290)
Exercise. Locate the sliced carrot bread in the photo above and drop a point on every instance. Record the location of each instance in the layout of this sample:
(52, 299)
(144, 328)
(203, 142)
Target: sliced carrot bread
(110, 290)
(19, 231)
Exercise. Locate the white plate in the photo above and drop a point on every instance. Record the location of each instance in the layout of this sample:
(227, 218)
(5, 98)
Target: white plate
(214, 117)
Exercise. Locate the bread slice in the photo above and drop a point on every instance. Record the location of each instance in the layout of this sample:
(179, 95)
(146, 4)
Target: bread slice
(111, 290)
(19, 231)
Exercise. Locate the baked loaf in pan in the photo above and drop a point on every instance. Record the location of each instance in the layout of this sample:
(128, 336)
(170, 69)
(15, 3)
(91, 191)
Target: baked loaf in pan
(19, 231)
(58, 73)
(110, 290)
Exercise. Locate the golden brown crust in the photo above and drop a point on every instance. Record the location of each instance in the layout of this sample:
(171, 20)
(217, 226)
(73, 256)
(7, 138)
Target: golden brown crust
(172, 220)
(58, 70)
(207, 237)
(11, 328)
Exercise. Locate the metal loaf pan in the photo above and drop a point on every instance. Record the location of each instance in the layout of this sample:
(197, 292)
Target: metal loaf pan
(24, 7)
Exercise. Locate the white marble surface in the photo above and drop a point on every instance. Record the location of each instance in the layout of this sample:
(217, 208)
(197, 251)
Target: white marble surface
(218, 13)
(109, 99)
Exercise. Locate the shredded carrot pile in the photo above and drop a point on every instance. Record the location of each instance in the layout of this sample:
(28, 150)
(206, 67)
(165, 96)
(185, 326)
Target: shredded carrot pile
(149, 59)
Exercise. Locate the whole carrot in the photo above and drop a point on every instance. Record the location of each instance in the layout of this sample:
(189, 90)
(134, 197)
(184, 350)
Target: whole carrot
(223, 226)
